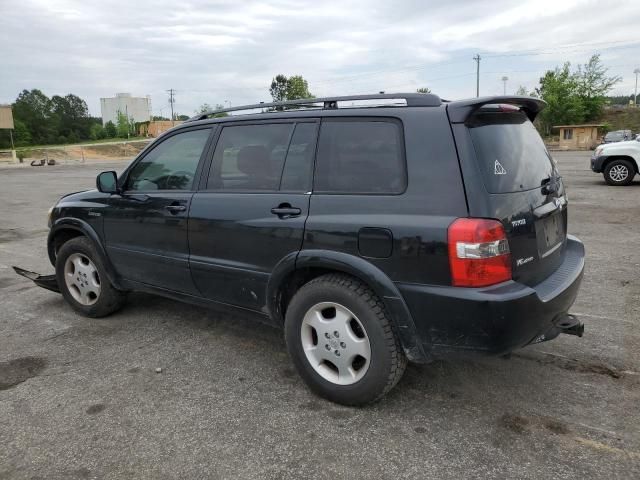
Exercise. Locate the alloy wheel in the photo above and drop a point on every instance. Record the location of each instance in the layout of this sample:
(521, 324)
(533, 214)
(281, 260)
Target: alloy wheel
(619, 173)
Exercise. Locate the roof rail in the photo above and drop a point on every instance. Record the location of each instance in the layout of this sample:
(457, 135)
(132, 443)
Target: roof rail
(412, 100)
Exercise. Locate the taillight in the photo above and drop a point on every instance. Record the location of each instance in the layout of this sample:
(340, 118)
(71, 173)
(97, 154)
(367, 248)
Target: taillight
(478, 252)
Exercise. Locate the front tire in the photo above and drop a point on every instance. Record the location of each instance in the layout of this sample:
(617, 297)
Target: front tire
(619, 172)
(341, 340)
(83, 281)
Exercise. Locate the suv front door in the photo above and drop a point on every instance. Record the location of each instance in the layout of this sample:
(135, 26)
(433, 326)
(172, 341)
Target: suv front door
(146, 227)
(251, 209)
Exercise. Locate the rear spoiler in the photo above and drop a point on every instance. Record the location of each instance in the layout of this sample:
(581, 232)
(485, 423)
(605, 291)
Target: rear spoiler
(459, 111)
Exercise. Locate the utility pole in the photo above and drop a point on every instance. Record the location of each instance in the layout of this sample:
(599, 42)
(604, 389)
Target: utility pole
(477, 59)
(635, 93)
(504, 81)
(171, 102)
(126, 114)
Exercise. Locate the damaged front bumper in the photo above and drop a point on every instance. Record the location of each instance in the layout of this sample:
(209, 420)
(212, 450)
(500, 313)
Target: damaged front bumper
(45, 281)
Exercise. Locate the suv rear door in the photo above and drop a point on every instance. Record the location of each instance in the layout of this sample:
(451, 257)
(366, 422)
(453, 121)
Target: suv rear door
(509, 175)
(251, 209)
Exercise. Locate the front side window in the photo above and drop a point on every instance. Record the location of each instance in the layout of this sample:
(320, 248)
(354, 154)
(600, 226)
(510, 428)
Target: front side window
(250, 157)
(360, 156)
(171, 165)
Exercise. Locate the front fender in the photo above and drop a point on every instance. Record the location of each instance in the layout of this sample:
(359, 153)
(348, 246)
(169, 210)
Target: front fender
(78, 225)
(360, 268)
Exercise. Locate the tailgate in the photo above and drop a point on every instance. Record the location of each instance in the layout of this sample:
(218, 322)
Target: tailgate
(515, 180)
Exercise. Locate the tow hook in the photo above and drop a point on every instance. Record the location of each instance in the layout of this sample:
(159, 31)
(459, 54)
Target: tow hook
(570, 325)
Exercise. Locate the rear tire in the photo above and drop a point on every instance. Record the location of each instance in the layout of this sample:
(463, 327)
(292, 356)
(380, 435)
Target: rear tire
(619, 172)
(332, 324)
(83, 281)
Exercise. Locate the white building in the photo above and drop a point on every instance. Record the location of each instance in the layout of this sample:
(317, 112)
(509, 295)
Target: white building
(136, 108)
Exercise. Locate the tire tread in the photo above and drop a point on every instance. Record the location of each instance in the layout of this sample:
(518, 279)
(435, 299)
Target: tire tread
(398, 358)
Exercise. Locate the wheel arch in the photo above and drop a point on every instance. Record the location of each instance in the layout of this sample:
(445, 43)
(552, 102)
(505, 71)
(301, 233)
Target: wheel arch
(299, 268)
(612, 158)
(64, 229)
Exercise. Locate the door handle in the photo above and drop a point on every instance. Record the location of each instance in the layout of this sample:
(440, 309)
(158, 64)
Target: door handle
(284, 210)
(175, 208)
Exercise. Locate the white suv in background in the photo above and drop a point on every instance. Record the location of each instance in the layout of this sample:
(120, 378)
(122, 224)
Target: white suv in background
(618, 162)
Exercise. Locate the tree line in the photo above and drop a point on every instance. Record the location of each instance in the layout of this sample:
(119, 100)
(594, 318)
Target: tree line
(39, 119)
(573, 96)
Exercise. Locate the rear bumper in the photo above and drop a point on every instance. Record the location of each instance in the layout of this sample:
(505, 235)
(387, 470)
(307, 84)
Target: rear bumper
(497, 319)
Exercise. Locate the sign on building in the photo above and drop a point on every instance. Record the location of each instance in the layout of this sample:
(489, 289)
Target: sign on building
(6, 117)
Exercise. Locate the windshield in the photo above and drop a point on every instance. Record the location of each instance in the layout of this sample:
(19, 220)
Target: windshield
(613, 136)
(510, 152)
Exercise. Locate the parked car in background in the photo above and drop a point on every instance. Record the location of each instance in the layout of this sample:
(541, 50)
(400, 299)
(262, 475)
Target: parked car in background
(373, 236)
(618, 136)
(618, 162)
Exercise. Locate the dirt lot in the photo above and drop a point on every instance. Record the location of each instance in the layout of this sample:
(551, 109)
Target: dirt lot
(81, 398)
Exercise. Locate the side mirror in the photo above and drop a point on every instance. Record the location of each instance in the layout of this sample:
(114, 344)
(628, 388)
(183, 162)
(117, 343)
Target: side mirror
(107, 182)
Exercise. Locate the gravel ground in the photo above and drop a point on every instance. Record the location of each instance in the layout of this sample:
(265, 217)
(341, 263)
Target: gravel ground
(81, 398)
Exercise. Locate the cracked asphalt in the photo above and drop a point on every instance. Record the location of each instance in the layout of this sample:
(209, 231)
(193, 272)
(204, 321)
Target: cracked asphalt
(81, 398)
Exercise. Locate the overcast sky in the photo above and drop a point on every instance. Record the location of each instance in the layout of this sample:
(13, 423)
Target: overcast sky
(217, 51)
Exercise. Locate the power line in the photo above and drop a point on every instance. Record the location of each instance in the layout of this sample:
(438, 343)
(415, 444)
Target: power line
(562, 49)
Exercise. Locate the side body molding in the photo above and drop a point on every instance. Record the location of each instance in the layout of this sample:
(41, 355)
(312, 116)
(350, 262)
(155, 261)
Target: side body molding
(358, 267)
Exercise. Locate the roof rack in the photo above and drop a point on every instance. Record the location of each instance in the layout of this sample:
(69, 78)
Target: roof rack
(329, 103)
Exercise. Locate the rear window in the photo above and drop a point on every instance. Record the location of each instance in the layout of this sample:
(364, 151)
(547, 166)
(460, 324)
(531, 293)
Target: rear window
(360, 156)
(510, 152)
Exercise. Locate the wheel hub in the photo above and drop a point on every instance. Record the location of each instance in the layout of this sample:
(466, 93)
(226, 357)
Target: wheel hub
(619, 173)
(335, 343)
(82, 279)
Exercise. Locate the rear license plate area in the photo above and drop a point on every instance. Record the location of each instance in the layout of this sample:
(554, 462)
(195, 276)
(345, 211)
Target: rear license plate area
(550, 234)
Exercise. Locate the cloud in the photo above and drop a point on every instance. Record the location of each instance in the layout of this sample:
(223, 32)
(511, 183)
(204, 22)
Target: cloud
(229, 50)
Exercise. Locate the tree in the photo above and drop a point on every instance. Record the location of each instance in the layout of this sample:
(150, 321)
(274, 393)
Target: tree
(182, 118)
(559, 88)
(593, 86)
(157, 118)
(423, 90)
(21, 135)
(574, 97)
(123, 125)
(97, 132)
(204, 108)
(33, 108)
(292, 88)
(298, 87)
(221, 114)
(278, 89)
(70, 116)
(522, 90)
(110, 129)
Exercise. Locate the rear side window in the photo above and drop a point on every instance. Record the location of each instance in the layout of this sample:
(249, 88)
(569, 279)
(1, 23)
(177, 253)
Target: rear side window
(250, 157)
(510, 152)
(296, 175)
(360, 156)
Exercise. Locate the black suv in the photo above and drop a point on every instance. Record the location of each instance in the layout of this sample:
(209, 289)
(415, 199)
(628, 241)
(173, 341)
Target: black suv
(375, 229)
